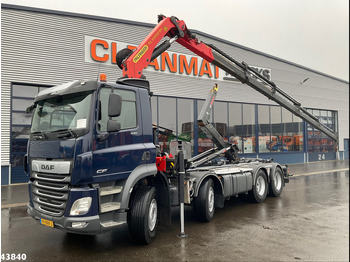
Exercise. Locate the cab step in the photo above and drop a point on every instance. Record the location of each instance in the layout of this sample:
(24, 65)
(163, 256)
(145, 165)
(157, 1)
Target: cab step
(109, 206)
(111, 224)
(110, 190)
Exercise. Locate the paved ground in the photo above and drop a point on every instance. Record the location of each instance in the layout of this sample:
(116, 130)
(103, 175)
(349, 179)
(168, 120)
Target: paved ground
(309, 222)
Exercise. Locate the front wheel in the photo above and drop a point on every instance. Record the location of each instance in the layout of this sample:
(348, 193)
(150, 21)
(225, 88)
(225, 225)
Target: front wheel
(204, 203)
(143, 215)
(259, 191)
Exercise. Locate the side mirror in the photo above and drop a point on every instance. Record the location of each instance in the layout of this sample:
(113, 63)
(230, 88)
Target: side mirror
(114, 105)
(113, 126)
(30, 108)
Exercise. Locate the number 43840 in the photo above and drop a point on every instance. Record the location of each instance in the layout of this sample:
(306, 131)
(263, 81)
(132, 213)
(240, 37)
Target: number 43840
(12, 257)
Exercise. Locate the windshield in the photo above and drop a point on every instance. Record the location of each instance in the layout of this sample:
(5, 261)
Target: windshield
(69, 112)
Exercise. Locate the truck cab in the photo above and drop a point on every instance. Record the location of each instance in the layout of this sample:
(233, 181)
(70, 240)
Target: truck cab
(90, 143)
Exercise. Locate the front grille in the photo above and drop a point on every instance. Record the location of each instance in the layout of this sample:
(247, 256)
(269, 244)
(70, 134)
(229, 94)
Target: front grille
(50, 192)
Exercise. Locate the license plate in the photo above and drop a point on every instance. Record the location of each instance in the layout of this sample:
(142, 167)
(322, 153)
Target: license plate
(46, 222)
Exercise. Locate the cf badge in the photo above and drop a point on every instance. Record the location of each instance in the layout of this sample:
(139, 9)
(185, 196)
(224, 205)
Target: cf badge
(101, 171)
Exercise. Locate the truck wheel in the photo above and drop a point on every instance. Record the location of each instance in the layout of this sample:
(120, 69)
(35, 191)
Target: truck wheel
(143, 215)
(204, 203)
(259, 191)
(276, 185)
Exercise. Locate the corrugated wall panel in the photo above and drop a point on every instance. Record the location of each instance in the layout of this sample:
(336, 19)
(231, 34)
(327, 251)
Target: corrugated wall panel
(48, 48)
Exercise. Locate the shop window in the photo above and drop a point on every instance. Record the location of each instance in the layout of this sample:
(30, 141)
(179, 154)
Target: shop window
(204, 142)
(278, 142)
(20, 104)
(279, 130)
(264, 129)
(287, 137)
(220, 119)
(21, 118)
(22, 97)
(19, 140)
(167, 122)
(298, 134)
(185, 120)
(248, 136)
(24, 91)
(235, 125)
(318, 142)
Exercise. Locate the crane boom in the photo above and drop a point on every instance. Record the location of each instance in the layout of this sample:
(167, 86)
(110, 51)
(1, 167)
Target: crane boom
(133, 63)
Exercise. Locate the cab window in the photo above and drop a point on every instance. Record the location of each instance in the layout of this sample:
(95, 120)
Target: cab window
(128, 116)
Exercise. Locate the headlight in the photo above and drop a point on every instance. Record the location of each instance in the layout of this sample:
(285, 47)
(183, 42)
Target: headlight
(81, 206)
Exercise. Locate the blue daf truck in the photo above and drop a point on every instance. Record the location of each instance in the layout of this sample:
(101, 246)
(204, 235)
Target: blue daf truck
(94, 164)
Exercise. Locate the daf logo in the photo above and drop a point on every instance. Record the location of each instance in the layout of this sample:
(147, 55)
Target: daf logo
(47, 167)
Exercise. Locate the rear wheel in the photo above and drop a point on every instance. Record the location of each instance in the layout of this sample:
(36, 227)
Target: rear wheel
(259, 191)
(143, 215)
(276, 185)
(204, 203)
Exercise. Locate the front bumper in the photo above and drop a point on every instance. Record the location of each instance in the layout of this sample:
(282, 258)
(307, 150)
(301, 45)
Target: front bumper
(92, 226)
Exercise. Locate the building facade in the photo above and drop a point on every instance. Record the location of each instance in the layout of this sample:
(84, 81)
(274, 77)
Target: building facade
(42, 48)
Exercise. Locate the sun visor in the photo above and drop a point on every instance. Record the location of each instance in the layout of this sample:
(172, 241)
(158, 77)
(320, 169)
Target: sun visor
(67, 88)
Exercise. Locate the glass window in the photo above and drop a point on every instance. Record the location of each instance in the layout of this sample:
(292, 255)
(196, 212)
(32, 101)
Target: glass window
(63, 112)
(298, 134)
(332, 120)
(204, 142)
(22, 97)
(21, 104)
(248, 136)
(154, 105)
(318, 142)
(235, 125)
(277, 140)
(185, 119)
(220, 118)
(24, 91)
(19, 140)
(21, 118)
(128, 116)
(167, 122)
(287, 130)
(264, 128)
(17, 161)
(20, 132)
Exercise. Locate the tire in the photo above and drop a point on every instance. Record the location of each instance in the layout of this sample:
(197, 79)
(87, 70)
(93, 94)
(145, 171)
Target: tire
(276, 185)
(143, 215)
(259, 191)
(204, 203)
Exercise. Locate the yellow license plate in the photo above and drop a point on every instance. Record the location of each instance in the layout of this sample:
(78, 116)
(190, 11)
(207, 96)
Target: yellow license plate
(46, 222)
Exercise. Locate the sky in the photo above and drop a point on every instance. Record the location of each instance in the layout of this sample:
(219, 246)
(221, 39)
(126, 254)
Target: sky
(311, 33)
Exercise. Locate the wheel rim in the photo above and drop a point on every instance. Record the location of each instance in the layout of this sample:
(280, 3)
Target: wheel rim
(211, 199)
(152, 215)
(278, 181)
(260, 186)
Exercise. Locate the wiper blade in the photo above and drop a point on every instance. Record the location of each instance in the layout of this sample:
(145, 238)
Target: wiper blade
(38, 135)
(65, 133)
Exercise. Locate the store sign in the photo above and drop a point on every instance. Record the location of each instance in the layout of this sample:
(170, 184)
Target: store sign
(98, 50)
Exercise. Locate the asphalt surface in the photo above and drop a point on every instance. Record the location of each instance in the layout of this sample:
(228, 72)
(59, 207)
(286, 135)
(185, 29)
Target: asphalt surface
(309, 222)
